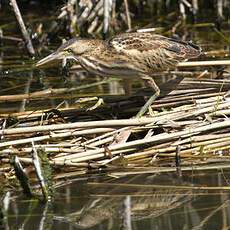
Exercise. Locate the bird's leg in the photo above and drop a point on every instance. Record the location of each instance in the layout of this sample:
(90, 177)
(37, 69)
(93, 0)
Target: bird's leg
(127, 86)
(149, 83)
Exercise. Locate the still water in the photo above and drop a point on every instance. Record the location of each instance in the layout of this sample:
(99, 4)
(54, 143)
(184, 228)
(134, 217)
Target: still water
(149, 201)
(141, 201)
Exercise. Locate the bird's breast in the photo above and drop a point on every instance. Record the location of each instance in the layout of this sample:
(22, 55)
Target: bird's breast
(110, 68)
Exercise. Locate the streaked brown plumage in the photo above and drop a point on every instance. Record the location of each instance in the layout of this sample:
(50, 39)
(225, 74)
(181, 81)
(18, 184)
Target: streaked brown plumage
(127, 55)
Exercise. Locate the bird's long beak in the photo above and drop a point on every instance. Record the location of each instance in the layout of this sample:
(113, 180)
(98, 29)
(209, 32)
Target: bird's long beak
(50, 58)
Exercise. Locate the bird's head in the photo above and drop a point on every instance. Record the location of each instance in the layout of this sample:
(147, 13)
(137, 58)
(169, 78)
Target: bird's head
(71, 49)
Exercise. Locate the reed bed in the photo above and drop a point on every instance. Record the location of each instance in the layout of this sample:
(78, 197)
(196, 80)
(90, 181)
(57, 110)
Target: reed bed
(104, 17)
(191, 124)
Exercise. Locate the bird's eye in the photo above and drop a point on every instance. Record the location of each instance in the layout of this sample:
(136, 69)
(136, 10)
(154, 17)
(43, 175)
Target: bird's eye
(69, 50)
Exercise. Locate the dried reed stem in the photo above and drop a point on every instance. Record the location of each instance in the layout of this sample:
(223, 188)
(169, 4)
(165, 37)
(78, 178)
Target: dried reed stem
(203, 63)
(22, 27)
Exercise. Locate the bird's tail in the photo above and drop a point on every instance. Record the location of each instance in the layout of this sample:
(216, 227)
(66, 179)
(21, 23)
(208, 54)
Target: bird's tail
(185, 49)
(194, 50)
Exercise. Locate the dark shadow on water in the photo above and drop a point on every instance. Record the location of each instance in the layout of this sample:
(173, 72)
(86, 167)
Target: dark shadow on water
(149, 201)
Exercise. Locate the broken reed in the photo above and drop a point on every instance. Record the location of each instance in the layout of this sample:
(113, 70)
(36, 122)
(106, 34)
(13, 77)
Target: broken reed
(197, 122)
(104, 17)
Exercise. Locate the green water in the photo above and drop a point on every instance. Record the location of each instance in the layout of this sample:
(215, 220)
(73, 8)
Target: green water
(95, 203)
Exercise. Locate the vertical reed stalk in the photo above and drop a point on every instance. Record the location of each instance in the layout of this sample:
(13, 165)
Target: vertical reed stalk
(22, 26)
(127, 15)
(107, 9)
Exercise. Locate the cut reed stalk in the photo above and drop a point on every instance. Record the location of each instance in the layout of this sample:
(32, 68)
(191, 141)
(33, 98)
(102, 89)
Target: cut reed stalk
(22, 27)
(204, 63)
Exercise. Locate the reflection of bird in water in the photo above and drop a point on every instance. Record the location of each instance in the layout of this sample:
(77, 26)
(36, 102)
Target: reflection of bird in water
(106, 201)
(145, 204)
(127, 55)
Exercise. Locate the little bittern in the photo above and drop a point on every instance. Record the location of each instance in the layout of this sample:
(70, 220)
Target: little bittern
(127, 55)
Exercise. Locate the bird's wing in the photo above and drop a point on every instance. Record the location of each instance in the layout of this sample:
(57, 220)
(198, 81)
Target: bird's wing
(138, 41)
(151, 45)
